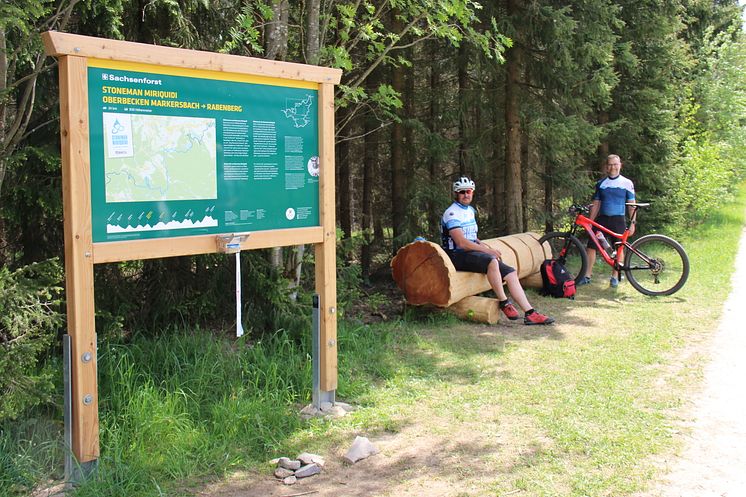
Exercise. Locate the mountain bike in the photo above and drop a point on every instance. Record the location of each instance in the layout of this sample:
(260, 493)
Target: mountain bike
(654, 264)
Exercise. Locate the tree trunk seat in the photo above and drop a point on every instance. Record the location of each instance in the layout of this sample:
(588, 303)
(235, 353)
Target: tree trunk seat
(425, 273)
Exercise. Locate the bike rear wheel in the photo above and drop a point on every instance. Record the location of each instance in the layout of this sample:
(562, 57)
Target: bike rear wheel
(661, 266)
(567, 249)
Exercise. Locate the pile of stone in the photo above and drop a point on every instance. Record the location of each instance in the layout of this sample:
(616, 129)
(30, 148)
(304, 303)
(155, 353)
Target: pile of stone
(305, 465)
(326, 410)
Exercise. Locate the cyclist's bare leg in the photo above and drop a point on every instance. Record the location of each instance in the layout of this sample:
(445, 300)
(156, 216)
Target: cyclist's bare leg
(591, 253)
(496, 280)
(516, 291)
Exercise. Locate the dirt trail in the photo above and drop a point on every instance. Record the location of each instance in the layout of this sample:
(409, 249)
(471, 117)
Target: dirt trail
(713, 462)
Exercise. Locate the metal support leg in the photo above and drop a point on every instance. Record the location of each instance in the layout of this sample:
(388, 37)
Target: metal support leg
(75, 472)
(67, 408)
(318, 396)
(239, 319)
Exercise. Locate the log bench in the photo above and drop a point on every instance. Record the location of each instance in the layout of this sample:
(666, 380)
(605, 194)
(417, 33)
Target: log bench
(425, 274)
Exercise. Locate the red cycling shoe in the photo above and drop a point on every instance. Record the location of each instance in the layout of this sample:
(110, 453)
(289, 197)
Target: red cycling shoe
(510, 311)
(537, 318)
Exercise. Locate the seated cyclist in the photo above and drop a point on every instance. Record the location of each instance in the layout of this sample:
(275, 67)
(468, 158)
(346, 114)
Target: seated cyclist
(468, 253)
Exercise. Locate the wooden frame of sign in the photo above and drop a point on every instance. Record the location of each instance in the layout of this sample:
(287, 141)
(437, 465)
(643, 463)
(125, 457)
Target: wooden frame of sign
(81, 253)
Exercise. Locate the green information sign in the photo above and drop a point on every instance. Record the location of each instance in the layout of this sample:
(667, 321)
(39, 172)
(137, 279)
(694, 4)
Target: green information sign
(185, 153)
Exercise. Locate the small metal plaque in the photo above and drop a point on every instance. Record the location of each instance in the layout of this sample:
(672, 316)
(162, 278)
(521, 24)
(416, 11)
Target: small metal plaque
(230, 244)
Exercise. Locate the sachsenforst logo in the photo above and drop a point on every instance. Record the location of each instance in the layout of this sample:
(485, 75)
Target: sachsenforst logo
(127, 79)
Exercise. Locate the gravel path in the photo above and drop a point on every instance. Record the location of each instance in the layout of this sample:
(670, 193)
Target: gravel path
(713, 462)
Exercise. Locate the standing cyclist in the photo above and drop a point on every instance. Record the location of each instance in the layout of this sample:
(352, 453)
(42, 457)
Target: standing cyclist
(468, 253)
(608, 209)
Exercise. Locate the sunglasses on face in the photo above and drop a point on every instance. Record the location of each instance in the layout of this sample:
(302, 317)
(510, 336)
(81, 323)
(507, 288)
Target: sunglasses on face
(464, 192)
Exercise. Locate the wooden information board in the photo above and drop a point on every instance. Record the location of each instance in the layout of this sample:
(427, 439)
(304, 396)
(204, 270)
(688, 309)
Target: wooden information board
(164, 149)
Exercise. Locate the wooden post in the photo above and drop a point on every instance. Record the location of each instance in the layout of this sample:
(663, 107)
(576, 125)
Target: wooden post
(326, 251)
(79, 255)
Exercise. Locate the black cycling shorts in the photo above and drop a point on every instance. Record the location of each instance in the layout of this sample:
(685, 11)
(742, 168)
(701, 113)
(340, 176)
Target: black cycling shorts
(617, 224)
(477, 262)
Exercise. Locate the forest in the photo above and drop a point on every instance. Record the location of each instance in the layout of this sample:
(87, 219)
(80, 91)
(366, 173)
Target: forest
(527, 97)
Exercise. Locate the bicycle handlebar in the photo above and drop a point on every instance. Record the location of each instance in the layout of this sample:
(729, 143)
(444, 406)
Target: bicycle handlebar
(578, 209)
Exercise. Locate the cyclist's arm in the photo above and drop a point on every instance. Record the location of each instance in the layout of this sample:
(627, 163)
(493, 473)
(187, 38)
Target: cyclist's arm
(630, 211)
(460, 240)
(595, 207)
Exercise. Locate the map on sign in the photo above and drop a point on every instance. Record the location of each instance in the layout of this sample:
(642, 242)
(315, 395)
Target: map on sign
(299, 111)
(158, 158)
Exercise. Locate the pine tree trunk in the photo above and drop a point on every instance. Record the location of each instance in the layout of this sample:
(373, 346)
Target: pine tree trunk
(398, 171)
(434, 127)
(370, 160)
(463, 84)
(548, 196)
(498, 155)
(410, 155)
(313, 31)
(276, 46)
(344, 187)
(277, 31)
(294, 266)
(525, 152)
(513, 186)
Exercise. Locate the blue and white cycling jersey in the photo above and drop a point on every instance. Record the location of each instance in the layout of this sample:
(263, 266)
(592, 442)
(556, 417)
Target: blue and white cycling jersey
(613, 194)
(458, 216)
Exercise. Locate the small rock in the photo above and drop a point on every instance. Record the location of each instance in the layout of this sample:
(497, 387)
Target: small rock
(360, 449)
(290, 480)
(287, 463)
(345, 406)
(308, 458)
(308, 470)
(309, 411)
(336, 412)
(282, 473)
(274, 461)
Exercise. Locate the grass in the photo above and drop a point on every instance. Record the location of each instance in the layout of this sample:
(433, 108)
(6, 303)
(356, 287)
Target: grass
(583, 408)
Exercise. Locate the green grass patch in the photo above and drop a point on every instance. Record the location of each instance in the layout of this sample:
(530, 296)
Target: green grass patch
(580, 408)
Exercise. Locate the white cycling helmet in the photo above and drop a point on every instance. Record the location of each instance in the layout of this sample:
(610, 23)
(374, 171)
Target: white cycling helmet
(463, 183)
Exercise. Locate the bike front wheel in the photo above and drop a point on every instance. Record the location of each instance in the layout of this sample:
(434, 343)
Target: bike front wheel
(568, 250)
(656, 265)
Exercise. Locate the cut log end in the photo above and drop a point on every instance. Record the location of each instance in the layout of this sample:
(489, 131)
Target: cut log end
(421, 269)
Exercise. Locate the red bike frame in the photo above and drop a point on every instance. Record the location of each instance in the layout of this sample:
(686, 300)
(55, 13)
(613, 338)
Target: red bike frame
(588, 224)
